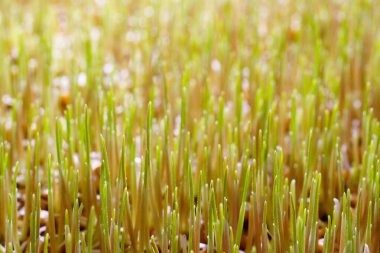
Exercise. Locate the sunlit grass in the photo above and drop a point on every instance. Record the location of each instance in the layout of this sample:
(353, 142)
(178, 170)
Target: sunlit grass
(189, 126)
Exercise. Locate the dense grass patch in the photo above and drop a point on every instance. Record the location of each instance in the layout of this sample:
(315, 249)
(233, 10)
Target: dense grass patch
(189, 126)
